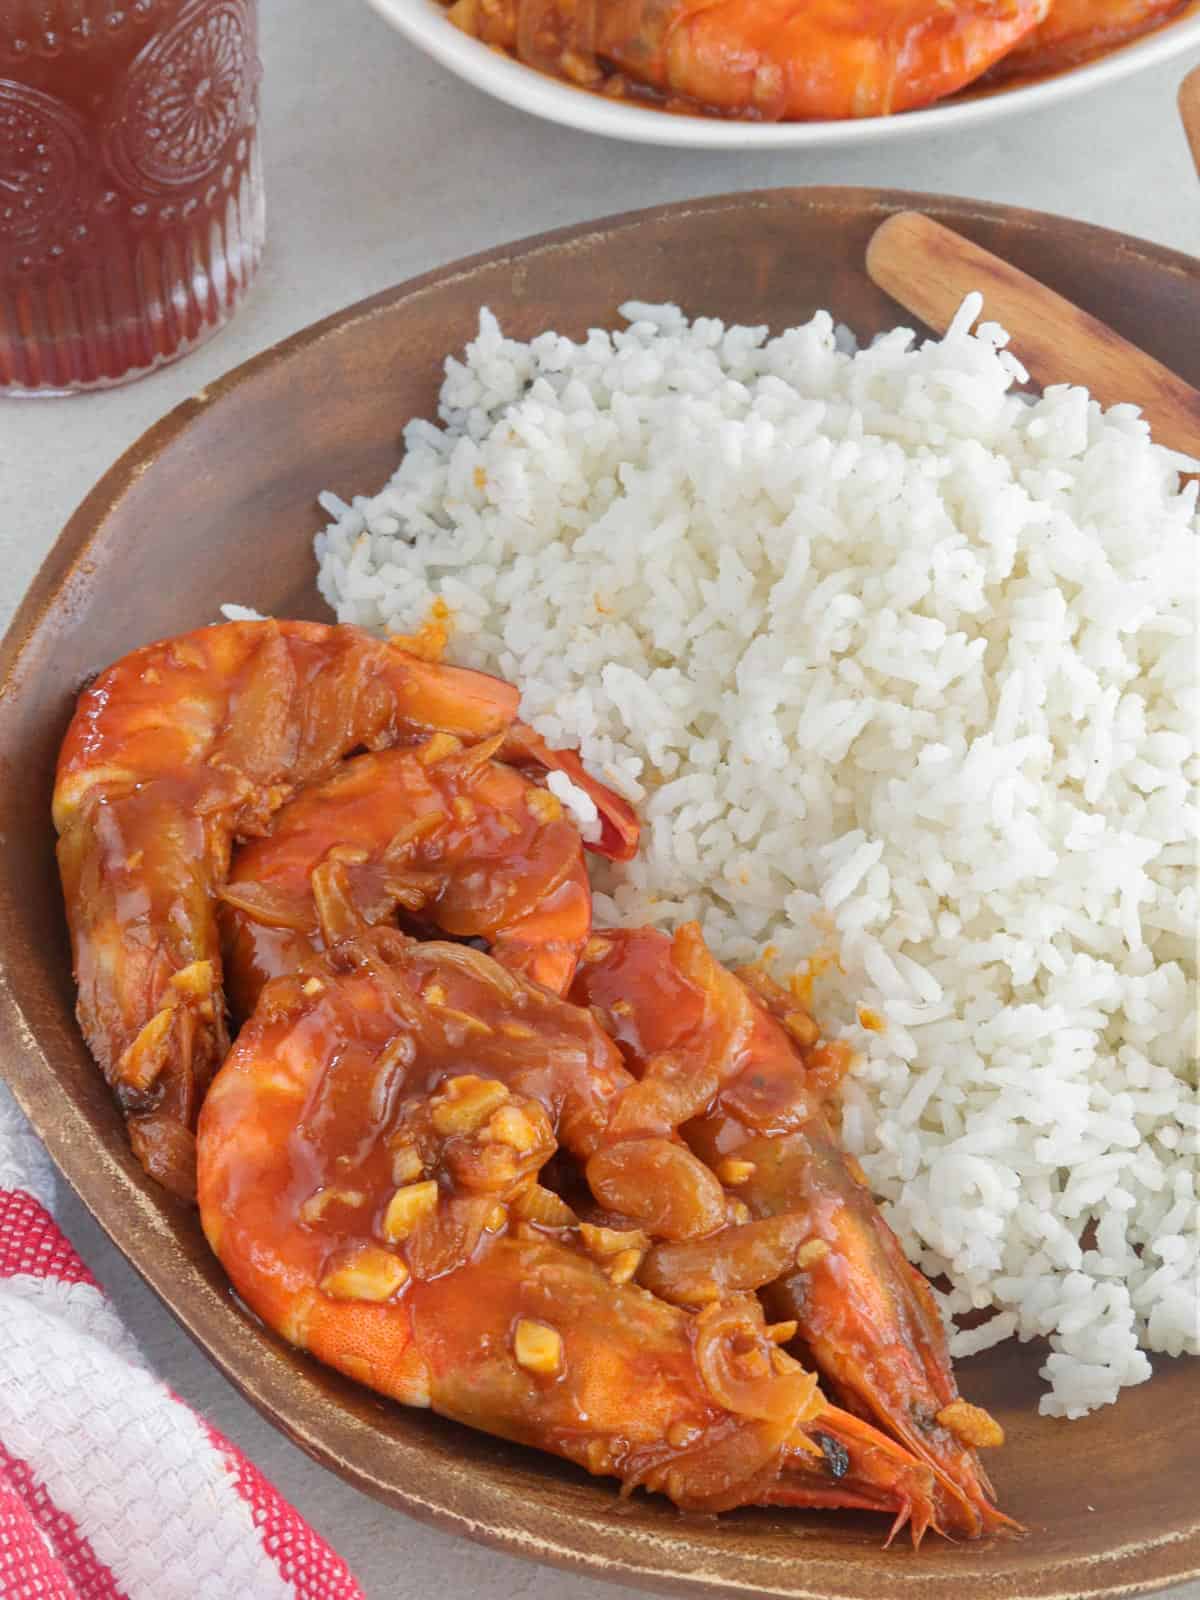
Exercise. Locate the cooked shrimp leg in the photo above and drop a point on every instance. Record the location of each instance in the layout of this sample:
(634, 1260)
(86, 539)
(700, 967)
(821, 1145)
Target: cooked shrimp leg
(870, 1472)
(863, 1312)
(381, 1209)
(440, 832)
(172, 753)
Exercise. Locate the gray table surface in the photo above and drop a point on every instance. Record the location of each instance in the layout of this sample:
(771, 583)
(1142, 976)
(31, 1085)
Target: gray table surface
(379, 165)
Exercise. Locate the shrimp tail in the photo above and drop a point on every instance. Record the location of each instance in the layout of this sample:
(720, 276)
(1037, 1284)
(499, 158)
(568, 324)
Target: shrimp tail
(619, 827)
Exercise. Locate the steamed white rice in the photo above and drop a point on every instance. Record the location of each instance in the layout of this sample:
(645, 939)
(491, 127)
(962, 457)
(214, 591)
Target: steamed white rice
(896, 663)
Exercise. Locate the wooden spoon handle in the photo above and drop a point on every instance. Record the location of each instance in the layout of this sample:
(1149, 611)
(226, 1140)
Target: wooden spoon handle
(1189, 110)
(929, 268)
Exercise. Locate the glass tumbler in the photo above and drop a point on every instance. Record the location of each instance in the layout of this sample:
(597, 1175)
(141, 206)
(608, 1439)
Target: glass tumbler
(131, 202)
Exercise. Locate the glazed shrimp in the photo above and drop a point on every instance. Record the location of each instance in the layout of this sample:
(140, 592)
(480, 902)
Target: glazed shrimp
(1077, 30)
(865, 1315)
(174, 752)
(381, 1208)
(768, 59)
(440, 832)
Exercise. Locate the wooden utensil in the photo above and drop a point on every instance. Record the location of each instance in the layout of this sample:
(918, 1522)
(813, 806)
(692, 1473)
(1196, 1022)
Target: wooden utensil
(929, 268)
(1189, 110)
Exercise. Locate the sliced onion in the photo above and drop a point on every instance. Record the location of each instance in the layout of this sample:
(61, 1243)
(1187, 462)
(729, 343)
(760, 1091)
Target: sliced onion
(475, 963)
(269, 906)
(735, 1260)
(660, 1185)
(447, 1237)
(543, 1206)
(337, 912)
(745, 1372)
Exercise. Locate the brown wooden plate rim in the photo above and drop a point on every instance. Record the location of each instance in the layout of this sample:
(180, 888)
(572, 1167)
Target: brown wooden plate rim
(253, 1361)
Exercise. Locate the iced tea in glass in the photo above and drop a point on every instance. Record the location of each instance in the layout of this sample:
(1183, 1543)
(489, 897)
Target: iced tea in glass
(131, 204)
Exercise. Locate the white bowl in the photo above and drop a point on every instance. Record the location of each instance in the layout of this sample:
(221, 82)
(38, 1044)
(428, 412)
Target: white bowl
(425, 23)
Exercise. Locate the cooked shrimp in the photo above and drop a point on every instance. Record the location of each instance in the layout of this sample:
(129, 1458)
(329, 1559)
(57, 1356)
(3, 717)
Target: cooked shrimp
(1077, 30)
(863, 1312)
(440, 832)
(174, 752)
(768, 59)
(380, 1208)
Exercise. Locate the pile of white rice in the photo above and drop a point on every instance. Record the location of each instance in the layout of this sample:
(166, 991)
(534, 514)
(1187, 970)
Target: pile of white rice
(893, 662)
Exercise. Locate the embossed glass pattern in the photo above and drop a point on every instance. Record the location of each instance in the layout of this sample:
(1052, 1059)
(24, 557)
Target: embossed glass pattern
(131, 206)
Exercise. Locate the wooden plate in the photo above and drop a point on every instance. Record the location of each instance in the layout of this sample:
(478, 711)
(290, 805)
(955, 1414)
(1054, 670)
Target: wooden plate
(217, 502)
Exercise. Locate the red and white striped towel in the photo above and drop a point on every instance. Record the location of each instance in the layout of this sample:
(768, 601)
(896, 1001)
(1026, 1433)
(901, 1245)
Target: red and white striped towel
(110, 1487)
